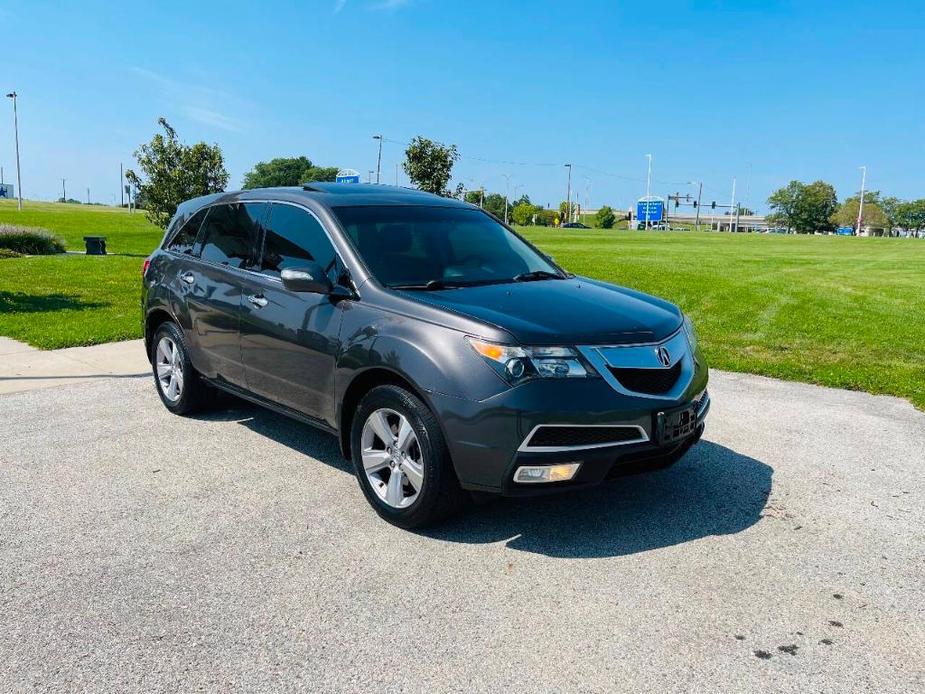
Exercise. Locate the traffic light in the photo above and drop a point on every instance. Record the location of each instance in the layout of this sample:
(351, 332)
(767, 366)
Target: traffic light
(714, 204)
(696, 203)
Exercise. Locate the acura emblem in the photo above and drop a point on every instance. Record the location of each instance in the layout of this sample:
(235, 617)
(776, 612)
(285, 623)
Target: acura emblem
(664, 356)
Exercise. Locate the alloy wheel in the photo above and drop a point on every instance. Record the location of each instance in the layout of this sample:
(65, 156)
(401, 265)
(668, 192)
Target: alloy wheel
(169, 366)
(392, 458)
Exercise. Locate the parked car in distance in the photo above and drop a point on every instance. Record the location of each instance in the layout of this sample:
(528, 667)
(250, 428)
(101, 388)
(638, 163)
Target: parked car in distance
(575, 225)
(447, 354)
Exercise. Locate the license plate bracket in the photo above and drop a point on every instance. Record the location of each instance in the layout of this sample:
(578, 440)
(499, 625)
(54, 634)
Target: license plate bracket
(675, 424)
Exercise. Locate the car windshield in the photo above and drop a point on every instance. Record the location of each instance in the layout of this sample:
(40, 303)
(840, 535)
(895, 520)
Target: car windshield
(430, 247)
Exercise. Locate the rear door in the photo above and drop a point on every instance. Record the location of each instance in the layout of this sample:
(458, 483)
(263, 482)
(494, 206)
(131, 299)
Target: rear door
(289, 340)
(227, 248)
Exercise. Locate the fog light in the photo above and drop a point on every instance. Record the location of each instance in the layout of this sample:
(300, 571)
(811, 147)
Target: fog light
(527, 474)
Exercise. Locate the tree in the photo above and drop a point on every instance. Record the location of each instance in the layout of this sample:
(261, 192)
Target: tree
(805, 208)
(523, 212)
(564, 211)
(174, 172)
(429, 165)
(605, 217)
(847, 214)
(475, 196)
(287, 171)
(911, 215)
(494, 203)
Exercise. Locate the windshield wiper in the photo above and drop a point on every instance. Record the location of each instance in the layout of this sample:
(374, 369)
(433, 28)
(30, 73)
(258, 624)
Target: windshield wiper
(536, 275)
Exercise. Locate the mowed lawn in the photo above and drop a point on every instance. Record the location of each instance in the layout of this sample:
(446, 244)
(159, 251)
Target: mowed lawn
(68, 300)
(844, 312)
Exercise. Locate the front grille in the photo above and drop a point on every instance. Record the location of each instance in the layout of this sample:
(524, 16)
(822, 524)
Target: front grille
(648, 381)
(567, 437)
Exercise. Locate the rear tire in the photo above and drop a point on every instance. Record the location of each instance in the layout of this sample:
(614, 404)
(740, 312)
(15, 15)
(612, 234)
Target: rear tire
(178, 384)
(404, 468)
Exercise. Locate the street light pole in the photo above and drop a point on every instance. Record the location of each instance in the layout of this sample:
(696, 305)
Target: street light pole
(648, 183)
(568, 196)
(12, 95)
(63, 191)
(507, 193)
(861, 205)
(379, 159)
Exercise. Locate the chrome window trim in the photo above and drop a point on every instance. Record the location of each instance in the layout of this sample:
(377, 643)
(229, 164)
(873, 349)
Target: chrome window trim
(254, 273)
(526, 448)
(643, 356)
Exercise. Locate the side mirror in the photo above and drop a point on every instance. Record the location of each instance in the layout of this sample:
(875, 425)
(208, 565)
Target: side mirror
(308, 278)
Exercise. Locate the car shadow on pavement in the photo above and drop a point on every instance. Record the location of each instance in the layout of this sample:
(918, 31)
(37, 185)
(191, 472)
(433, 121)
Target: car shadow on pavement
(711, 491)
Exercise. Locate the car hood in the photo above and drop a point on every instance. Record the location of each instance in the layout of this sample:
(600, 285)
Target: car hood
(574, 311)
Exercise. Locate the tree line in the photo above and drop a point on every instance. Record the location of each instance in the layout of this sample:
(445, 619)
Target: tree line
(807, 208)
(171, 172)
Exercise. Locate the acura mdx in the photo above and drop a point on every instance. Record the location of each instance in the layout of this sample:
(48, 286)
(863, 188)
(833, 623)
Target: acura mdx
(447, 354)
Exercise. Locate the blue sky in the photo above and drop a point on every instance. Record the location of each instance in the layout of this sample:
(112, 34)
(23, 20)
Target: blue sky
(763, 91)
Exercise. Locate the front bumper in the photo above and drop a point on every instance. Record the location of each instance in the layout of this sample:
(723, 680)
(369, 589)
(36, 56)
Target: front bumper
(487, 438)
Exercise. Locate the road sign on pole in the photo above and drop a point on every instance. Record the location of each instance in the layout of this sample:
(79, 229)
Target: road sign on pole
(347, 176)
(651, 209)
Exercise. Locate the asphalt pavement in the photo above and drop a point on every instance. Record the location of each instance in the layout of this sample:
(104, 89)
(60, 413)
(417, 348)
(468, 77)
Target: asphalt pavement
(140, 551)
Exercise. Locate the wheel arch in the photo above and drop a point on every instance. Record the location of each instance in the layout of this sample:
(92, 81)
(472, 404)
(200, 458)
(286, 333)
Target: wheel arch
(361, 384)
(154, 319)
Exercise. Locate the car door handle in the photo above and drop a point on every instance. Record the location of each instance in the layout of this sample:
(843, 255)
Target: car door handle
(188, 277)
(257, 300)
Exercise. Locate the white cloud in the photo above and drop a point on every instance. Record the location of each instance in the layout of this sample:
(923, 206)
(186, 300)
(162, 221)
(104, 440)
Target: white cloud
(213, 118)
(196, 101)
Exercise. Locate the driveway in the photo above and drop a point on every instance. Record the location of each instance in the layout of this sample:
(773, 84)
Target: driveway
(233, 551)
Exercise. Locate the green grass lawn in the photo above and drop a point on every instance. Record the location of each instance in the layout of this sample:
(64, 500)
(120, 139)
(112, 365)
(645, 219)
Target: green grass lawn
(67, 300)
(844, 312)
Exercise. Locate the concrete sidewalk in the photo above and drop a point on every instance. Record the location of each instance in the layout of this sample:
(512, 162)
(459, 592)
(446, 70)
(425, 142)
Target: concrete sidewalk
(25, 368)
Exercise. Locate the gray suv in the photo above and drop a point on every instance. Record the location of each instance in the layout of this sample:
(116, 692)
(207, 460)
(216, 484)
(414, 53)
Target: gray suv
(447, 354)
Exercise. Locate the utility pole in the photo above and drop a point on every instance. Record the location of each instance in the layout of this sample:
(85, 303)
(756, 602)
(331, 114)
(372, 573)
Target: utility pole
(648, 183)
(63, 191)
(507, 193)
(88, 196)
(369, 176)
(568, 196)
(379, 159)
(861, 205)
(396, 174)
(12, 95)
(697, 212)
(732, 204)
(121, 186)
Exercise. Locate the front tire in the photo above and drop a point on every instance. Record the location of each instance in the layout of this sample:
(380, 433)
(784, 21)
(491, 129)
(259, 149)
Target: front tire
(178, 383)
(401, 459)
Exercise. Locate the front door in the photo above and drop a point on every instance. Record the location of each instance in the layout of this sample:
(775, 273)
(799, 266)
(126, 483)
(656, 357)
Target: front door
(289, 340)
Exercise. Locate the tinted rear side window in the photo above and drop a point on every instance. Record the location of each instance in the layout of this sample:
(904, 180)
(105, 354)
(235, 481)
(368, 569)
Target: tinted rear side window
(184, 240)
(294, 236)
(231, 233)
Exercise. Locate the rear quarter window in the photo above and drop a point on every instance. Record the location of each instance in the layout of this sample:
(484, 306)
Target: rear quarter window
(184, 241)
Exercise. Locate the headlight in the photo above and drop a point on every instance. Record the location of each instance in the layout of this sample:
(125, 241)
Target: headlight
(518, 364)
(691, 334)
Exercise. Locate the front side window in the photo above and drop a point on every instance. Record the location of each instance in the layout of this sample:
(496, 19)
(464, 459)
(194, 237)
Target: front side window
(409, 246)
(185, 239)
(293, 237)
(230, 234)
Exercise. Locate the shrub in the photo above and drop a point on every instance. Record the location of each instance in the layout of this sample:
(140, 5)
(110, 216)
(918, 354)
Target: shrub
(606, 217)
(7, 253)
(29, 240)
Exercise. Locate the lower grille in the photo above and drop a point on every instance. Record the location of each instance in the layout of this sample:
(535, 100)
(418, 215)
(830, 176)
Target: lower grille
(577, 437)
(648, 381)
